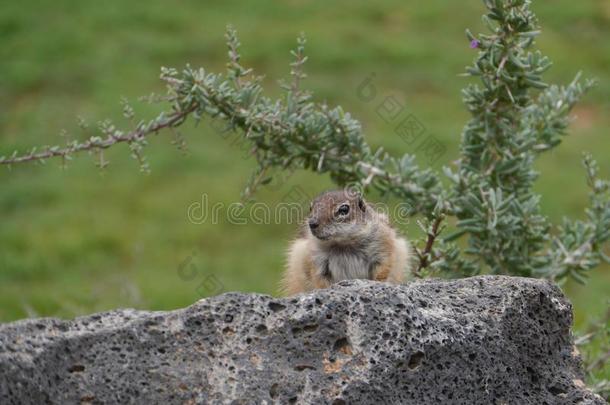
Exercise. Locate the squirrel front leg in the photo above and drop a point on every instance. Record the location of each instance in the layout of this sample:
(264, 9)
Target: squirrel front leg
(395, 262)
(301, 274)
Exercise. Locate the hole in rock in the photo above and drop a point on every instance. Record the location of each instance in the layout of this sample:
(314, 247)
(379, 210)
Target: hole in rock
(274, 391)
(556, 390)
(301, 367)
(342, 345)
(415, 360)
(276, 306)
(77, 368)
(311, 328)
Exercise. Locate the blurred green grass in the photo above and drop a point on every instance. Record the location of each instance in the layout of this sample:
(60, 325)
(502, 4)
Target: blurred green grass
(78, 241)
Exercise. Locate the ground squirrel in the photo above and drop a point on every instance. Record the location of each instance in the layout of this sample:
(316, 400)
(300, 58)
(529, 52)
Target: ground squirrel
(344, 238)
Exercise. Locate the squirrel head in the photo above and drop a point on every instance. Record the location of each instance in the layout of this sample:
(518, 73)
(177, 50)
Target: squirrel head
(338, 216)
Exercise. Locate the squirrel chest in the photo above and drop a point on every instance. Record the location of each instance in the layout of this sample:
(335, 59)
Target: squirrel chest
(337, 262)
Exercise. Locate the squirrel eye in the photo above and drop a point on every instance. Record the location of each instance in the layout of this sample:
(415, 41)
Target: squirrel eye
(343, 210)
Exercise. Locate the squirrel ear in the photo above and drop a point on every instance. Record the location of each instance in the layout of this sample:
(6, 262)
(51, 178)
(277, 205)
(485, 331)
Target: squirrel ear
(361, 204)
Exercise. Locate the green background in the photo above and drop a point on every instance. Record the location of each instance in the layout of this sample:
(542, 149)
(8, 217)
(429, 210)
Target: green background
(80, 240)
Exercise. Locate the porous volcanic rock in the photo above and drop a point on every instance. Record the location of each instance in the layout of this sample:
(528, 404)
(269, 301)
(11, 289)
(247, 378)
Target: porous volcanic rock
(482, 340)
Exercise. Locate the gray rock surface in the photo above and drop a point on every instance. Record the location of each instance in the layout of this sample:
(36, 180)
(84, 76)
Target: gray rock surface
(483, 340)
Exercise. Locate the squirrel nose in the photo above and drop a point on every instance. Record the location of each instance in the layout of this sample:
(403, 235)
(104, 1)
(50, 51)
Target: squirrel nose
(313, 225)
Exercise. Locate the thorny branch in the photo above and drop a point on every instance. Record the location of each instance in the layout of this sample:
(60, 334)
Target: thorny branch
(424, 256)
(97, 143)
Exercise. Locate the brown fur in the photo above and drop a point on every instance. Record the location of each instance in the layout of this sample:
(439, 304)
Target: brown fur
(363, 232)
